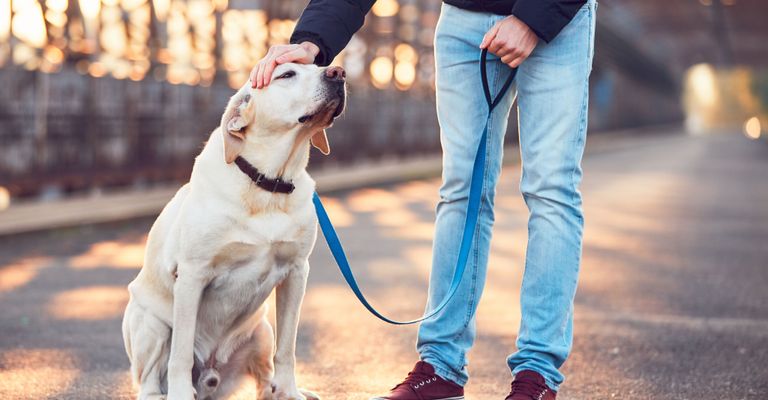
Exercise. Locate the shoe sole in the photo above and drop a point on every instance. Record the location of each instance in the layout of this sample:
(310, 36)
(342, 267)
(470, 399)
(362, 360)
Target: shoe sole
(444, 398)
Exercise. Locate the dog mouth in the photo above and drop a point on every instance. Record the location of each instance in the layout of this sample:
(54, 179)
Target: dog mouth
(339, 108)
(327, 112)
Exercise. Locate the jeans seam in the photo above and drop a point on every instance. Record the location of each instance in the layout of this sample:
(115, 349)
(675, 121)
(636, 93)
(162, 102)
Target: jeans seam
(475, 253)
(449, 375)
(584, 104)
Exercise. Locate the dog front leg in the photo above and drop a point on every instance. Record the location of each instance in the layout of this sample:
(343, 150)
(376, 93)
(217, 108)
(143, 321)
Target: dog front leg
(289, 295)
(186, 299)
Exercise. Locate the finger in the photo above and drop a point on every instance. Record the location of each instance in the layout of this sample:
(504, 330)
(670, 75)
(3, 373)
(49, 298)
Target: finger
(269, 66)
(516, 62)
(262, 71)
(515, 51)
(489, 36)
(273, 52)
(252, 76)
(508, 58)
(497, 46)
(291, 56)
(268, 69)
(256, 75)
(259, 73)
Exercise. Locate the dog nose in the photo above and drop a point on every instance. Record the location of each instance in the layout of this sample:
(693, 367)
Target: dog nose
(335, 74)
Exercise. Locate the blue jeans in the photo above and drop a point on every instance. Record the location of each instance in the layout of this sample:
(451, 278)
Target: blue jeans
(552, 89)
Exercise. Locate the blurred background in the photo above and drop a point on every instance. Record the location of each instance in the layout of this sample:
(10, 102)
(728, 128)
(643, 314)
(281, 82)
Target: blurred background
(105, 103)
(103, 94)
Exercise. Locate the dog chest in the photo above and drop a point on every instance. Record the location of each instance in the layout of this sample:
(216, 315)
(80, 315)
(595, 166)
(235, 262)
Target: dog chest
(255, 258)
(245, 274)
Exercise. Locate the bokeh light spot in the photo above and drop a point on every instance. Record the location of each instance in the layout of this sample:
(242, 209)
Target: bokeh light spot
(752, 128)
(90, 303)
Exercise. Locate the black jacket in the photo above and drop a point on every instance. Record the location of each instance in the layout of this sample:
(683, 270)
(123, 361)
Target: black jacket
(331, 23)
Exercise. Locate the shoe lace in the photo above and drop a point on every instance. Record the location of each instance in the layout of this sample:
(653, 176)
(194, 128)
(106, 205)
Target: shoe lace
(528, 388)
(417, 379)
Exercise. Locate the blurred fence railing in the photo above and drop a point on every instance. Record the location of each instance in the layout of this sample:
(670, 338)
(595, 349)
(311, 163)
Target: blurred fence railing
(99, 94)
(98, 133)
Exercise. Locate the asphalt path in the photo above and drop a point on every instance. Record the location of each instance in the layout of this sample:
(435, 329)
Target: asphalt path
(672, 300)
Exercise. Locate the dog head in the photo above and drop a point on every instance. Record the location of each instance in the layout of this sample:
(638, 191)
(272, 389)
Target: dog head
(299, 99)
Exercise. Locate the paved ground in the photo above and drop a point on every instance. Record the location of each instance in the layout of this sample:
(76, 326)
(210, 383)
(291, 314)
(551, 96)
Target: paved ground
(672, 304)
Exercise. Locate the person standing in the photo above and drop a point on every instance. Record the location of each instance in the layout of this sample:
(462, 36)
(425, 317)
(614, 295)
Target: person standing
(551, 42)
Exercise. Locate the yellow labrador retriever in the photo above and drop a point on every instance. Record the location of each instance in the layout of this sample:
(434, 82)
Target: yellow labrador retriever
(196, 325)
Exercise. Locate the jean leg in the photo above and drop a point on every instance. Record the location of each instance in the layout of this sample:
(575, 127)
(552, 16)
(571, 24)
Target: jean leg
(445, 339)
(552, 111)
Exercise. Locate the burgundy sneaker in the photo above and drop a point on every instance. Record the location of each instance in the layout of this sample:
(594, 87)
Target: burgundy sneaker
(423, 384)
(529, 385)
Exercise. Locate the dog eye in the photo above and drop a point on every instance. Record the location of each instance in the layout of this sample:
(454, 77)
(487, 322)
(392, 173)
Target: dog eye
(286, 75)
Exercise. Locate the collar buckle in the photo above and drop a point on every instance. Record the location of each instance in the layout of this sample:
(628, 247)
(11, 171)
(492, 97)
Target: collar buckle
(276, 185)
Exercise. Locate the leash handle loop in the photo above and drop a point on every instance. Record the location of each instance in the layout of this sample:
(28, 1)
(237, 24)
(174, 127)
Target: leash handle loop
(493, 102)
(470, 223)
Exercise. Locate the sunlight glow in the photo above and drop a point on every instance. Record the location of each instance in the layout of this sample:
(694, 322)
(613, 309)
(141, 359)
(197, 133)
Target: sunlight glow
(338, 211)
(752, 128)
(193, 40)
(405, 69)
(381, 72)
(57, 5)
(89, 303)
(111, 254)
(373, 200)
(385, 8)
(245, 36)
(5, 20)
(90, 8)
(20, 273)
(406, 53)
(221, 5)
(703, 83)
(37, 373)
(405, 74)
(161, 9)
(28, 24)
(5, 198)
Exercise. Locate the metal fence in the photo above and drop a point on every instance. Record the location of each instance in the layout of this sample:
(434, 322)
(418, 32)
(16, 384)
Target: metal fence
(104, 93)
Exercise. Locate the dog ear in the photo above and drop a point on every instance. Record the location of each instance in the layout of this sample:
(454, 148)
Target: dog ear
(233, 124)
(320, 141)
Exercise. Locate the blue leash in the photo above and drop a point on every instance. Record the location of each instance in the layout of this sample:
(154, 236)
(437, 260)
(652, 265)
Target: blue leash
(470, 224)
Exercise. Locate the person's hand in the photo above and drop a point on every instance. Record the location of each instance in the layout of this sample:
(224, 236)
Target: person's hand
(510, 39)
(303, 53)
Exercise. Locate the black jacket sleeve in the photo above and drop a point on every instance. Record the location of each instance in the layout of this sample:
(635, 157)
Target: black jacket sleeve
(546, 18)
(330, 25)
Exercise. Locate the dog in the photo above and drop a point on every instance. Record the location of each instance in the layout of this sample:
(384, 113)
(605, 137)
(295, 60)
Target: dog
(195, 326)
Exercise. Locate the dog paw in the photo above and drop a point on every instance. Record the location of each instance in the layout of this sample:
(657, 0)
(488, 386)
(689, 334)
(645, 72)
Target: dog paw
(309, 395)
(182, 393)
(298, 394)
(286, 392)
